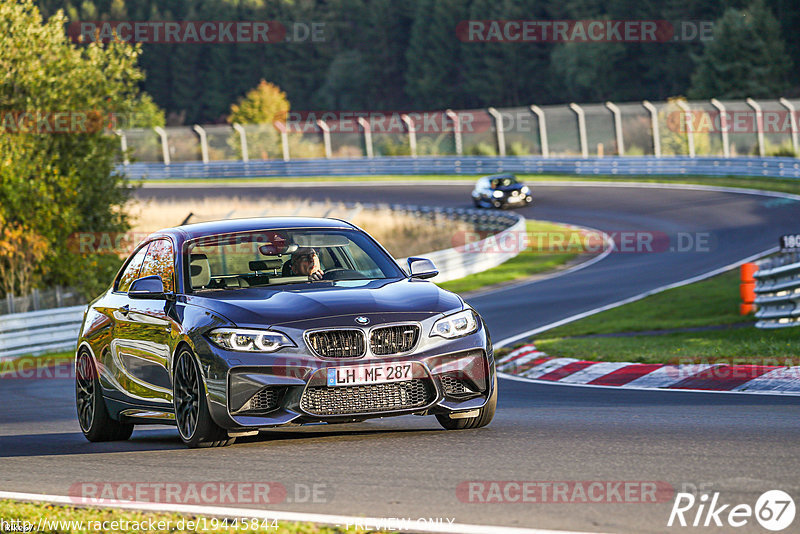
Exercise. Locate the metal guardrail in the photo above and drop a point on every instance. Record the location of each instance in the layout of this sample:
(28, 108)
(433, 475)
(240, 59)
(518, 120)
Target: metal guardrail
(57, 329)
(778, 167)
(778, 291)
(40, 331)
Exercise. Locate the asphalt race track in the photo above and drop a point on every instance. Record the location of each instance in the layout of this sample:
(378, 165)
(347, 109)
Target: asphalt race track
(738, 445)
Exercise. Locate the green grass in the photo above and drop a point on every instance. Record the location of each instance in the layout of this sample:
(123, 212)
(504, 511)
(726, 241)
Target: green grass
(770, 184)
(525, 264)
(11, 511)
(711, 302)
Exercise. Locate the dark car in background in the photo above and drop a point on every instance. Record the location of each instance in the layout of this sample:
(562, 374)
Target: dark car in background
(205, 328)
(501, 191)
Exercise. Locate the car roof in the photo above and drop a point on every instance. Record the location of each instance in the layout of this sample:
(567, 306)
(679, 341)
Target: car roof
(230, 226)
(505, 175)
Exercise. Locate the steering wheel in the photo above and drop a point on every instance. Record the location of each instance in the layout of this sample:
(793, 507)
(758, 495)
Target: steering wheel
(341, 274)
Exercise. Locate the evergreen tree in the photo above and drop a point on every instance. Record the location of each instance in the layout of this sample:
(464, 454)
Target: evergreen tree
(746, 58)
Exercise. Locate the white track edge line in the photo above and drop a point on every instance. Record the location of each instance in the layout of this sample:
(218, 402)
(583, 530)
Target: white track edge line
(327, 519)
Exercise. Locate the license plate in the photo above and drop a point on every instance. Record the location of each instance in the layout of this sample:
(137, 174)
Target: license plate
(514, 199)
(369, 374)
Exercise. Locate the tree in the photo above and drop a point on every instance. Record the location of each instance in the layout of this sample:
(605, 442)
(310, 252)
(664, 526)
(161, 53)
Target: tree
(264, 104)
(746, 57)
(58, 179)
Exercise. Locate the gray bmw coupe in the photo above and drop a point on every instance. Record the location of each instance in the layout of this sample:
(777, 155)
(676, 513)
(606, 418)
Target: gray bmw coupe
(226, 328)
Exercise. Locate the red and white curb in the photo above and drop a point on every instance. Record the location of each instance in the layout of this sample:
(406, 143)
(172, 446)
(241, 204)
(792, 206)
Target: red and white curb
(532, 364)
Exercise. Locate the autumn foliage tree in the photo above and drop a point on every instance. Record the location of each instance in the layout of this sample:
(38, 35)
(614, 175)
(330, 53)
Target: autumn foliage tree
(59, 179)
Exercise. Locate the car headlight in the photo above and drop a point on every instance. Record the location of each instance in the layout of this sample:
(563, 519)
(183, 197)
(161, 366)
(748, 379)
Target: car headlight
(456, 325)
(525, 190)
(497, 194)
(245, 340)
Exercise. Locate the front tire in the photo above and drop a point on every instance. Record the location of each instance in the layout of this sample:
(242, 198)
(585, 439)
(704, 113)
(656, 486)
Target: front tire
(192, 416)
(484, 417)
(96, 423)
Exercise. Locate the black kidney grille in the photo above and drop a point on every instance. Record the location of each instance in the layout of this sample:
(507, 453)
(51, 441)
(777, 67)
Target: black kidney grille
(393, 339)
(368, 398)
(337, 343)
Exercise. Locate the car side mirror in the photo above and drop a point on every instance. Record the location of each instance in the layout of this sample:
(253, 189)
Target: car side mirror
(421, 268)
(147, 287)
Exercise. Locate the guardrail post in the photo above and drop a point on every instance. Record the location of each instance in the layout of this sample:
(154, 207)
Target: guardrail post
(412, 134)
(326, 137)
(654, 123)
(581, 128)
(453, 116)
(203, 141)
(687, 120)
(498, 125)
(617, 127)
(759, 124)
(367, 135)
(542, 130)
(162, 133)
(242, 140)
(723, 124)
(284, 139)
(123, 145)
(793, 123)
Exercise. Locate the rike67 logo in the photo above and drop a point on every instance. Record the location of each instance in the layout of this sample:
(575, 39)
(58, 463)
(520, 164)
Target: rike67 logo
(774, 510)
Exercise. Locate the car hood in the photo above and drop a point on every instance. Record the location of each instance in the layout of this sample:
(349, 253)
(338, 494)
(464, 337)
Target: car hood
(510, 188)
(281, 305)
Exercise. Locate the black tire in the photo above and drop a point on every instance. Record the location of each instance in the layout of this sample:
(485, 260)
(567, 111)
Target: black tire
(93, 417)
(477, 203)
(195, 426)
(484, 417)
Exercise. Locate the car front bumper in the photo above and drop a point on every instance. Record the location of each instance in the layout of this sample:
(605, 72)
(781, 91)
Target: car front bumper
(249, 391)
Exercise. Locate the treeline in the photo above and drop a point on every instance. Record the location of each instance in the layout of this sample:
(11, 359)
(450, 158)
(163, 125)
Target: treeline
(388, 54)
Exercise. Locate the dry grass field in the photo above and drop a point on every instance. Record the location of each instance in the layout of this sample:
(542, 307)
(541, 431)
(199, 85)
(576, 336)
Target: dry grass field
(403, 235)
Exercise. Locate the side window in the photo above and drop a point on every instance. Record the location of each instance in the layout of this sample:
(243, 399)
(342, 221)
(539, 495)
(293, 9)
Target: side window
(160, 260)
(131, 272)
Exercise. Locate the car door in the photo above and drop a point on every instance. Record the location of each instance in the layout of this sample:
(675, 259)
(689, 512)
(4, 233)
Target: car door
(145, 330)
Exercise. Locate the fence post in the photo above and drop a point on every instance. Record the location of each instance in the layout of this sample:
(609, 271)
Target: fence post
(617, 127)
(687, 120)
(723, 124)
(453, 116)
(759, 125)
(123, 145)
(242, 140)
(162, 133)
(326, 137)
(203, 141)
(367, 136)
(35, 299)
(10, 301)
(281, 127)
(498, 125)
(542, 130)
(412, 134)
(58, 296)
(581, 128)
(793, 123)
(654, 121)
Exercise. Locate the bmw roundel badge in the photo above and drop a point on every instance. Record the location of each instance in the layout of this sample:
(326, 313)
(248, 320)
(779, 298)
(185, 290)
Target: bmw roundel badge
(362, 320)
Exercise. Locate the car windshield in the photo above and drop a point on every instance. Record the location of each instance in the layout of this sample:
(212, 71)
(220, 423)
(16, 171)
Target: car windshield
(281, 257)
(503, 181)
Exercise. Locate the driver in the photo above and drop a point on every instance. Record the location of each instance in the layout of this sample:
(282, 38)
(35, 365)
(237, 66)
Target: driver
(305, 262)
